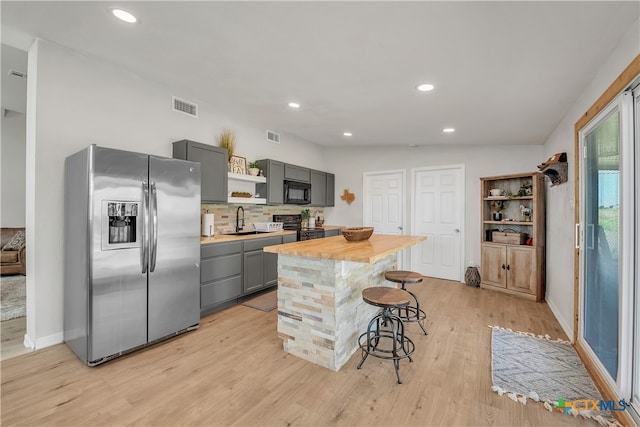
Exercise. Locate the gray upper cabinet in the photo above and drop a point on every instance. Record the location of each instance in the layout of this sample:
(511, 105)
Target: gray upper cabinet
(330, 190)
(214, 167)
(273, 190)
(318, 188)
(296, 173)
(322, 183)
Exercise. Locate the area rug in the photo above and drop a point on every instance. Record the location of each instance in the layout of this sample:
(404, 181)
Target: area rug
(525, 366)
(13, 297)
(264, 302)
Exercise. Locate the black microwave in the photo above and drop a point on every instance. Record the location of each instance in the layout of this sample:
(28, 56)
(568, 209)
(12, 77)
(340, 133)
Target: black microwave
(297, 193)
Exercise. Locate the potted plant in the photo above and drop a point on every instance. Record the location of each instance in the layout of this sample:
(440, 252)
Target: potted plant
(497, 205)
(227, 139)
(304, 216)
(254, 168)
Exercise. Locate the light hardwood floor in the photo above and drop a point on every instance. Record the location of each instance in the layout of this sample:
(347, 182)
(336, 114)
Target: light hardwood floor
(233, 371)
(13, 338)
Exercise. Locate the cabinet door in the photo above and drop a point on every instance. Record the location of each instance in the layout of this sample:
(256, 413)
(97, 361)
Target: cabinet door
(253, 278)
(330, 190)
(270, 269)
(494, 265)
(318, 188)
(296, 173)
(214, 167)
(521, 266)
(273, 190)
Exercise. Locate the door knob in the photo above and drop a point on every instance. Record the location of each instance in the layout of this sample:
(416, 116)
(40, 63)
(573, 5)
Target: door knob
(457, 230)
(400, 228)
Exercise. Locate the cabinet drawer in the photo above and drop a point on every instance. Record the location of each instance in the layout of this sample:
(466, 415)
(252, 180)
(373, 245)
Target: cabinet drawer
(220, 291)
(217, 249)
(255, 244)
(289, 238)
(217, 268)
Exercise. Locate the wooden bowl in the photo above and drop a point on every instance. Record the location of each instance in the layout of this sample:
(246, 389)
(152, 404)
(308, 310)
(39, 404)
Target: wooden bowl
(357, 234)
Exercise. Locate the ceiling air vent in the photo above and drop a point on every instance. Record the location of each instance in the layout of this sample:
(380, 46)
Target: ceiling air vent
(273, 136)
(185, 107)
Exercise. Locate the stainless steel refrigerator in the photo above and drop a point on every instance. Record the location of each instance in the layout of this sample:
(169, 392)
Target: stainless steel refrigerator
(132, 251)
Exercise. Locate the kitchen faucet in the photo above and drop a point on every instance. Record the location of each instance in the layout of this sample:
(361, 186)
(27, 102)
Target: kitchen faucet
(238, 227)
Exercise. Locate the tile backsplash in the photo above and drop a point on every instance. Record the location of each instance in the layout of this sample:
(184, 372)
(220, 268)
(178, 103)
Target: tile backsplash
(225, 215)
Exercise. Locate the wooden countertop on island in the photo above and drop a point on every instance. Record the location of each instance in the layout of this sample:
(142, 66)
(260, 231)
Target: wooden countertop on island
(338, 248)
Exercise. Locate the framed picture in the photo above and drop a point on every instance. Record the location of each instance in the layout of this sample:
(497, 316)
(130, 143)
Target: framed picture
(238, 165)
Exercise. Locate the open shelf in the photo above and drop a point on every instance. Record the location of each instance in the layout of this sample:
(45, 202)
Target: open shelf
(247, 178)
(247, 200)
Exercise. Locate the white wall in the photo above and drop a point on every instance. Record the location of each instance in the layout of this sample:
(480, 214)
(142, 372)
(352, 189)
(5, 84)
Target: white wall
(75, 101)
(349, 164)
(560, 199)
(12, 155)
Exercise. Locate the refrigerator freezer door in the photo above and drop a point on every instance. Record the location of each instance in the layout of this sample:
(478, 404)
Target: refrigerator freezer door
(174, 280)
(118, 294)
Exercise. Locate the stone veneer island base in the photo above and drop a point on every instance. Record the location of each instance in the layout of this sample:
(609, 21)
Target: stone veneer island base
(320, 308)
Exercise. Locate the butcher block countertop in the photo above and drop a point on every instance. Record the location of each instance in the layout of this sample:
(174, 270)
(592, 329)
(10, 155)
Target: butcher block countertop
(338, 248)
(220, 238)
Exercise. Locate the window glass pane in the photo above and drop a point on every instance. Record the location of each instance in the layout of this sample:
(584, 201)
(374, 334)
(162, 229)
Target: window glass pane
(602, 228)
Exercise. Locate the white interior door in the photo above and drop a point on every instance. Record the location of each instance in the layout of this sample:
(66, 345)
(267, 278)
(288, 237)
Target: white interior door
(384, 200)
(438, 213)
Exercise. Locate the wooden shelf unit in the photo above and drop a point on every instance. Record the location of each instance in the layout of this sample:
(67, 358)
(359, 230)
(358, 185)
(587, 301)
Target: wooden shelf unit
(514, 269)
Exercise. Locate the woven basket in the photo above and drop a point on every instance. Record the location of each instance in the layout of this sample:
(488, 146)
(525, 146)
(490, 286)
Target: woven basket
(356, 234)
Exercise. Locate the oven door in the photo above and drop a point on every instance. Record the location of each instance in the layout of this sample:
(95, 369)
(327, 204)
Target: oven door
(297, 193)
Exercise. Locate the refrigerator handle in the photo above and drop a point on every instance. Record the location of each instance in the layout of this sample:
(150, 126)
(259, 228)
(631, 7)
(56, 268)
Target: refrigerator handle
(144, 248)
(154, 227)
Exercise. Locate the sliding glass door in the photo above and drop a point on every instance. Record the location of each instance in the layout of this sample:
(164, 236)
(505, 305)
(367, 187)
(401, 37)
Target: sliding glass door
(601, 172)
(608, 290)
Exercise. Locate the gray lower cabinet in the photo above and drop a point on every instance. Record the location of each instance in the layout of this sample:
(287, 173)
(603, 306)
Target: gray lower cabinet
(260, 268)
(330, 233)
(214, 169)
(231, 270)
(273, 190)
(288, 238)
(220, 274)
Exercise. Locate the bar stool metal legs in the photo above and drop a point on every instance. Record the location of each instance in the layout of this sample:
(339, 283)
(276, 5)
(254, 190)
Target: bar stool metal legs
(385, 338)
(412, 312)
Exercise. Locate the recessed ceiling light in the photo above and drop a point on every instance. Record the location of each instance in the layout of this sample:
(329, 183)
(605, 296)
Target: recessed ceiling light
(448, 130)
(425, 87)
(294, 105)
(125, 16)
(347, 134)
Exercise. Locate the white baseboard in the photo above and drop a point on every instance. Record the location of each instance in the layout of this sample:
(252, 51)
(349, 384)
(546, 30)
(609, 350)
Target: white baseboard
(565, 327)
(43, 342)
(28, 343)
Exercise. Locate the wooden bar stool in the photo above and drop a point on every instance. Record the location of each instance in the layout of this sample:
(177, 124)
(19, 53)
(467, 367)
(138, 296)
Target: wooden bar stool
(410, 313)
(385, 338)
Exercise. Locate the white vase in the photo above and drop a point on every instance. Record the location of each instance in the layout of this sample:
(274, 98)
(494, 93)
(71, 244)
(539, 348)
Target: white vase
(254, 171)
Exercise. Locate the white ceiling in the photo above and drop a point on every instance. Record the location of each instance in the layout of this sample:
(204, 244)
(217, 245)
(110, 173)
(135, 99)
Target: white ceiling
(504, 72)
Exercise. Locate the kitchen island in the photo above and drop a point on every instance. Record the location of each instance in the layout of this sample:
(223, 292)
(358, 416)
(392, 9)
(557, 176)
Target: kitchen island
(320, 308)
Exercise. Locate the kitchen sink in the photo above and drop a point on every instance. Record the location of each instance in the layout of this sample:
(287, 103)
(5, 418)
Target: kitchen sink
(243, 233)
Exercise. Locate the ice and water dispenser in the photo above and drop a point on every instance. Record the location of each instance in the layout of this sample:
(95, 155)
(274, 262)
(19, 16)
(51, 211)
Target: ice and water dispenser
(122, 219)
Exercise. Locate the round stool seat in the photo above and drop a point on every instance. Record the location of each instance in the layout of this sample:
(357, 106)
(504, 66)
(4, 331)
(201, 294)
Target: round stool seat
(402, 276)
(386, 297)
